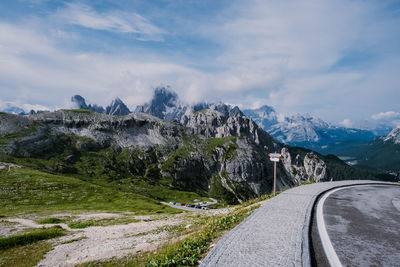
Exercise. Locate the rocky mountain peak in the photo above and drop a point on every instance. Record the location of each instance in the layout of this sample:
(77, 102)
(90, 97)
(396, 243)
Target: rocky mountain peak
(164, 104)
(79, 102)
(164, 95)
(117, 107)
(307, 119)
(393, 136)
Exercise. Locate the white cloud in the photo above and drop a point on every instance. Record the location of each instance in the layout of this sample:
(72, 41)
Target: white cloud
(279, 53)
(114, 21)
(33, 69)
(288, 50)
(386, 115)
(347, 123)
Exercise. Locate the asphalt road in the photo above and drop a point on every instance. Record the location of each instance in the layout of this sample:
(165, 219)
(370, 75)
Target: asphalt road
(363, 225)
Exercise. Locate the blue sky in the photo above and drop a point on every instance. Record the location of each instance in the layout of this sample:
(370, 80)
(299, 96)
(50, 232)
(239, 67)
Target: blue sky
(336, 59)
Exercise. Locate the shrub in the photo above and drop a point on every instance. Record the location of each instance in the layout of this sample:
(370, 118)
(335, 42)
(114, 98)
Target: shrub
(50, 220)
(31, 237)
(76, 225)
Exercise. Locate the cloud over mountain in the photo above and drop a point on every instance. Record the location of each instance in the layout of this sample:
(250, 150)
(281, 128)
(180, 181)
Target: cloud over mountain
(337, 59)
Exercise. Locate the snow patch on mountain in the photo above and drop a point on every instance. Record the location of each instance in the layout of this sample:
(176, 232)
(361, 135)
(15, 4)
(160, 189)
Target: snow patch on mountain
(393, 136)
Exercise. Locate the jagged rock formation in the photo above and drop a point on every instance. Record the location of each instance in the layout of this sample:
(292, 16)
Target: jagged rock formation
(165, 105)
(117, 107)
(310, 167)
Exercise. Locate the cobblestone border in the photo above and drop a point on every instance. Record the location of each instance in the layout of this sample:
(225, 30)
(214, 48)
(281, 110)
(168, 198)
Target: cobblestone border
(276, 234)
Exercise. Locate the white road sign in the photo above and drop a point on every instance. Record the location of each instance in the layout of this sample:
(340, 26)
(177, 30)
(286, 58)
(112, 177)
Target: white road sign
(274, 159)
(274, 155)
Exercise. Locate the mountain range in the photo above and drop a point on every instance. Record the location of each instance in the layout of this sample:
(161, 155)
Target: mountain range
(211, 149)
(300, 130)
(296, 130)
(309, 132)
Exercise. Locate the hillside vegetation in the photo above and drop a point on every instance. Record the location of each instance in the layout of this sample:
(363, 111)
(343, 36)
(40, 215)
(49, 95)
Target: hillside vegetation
(25, 190)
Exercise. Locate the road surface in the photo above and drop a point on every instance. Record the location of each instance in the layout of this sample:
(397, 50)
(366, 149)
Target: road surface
(363, 225)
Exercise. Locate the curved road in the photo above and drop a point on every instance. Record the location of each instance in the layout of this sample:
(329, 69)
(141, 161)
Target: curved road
(277, 234)
(363, 223)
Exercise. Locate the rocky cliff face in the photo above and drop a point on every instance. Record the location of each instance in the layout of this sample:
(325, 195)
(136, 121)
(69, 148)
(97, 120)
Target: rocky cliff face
(304, 168)
(218, 150)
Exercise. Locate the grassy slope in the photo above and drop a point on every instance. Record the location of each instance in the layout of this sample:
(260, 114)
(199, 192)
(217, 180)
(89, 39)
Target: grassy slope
(25, 256)
(27, 191)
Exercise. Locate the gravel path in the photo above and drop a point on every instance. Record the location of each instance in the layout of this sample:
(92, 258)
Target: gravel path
(105, 242)
(101, 242)
(276, 234)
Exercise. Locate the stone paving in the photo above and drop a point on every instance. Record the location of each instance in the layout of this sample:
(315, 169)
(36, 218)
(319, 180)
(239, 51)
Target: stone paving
(276, 234)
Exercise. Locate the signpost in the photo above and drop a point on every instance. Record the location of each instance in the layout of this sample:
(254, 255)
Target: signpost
(275, 158)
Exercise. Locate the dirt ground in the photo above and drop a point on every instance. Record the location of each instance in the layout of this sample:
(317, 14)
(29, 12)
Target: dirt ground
(104, 242)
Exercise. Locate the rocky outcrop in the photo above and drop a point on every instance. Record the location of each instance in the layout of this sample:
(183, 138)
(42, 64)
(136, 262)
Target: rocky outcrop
(13, 124)
(315, 168)
(309, 167)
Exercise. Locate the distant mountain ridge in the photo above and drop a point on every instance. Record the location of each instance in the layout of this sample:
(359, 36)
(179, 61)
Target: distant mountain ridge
(307, 131)
(382, 153)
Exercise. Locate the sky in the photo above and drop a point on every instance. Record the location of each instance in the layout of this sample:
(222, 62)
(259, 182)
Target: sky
(338, 60)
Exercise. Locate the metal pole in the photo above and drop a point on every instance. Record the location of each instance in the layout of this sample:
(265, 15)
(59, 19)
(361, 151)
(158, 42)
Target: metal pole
(274, 177)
